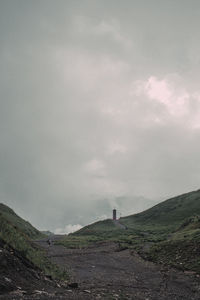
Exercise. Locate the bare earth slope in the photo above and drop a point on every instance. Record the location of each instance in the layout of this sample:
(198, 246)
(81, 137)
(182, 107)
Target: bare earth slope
(103, 272)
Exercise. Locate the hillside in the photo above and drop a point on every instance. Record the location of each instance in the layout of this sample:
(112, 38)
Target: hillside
(19, 252)
(165, 216)
(168, 233)
(25, 227)
(93, 233)
(171, 212)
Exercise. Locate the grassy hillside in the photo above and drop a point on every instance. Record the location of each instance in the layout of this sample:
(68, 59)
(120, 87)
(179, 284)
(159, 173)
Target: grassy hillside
(168, 233)
(8, 214)
(165, 216)
(93, 233)
(170, 213)
(97, 227)
(181, 249)
(18, 234)
(161, 219)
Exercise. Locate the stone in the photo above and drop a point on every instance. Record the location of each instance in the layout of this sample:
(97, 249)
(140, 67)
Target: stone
(73, 285)
(87, 291)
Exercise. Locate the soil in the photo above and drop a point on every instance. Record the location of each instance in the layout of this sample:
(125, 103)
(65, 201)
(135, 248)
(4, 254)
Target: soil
(102, 271)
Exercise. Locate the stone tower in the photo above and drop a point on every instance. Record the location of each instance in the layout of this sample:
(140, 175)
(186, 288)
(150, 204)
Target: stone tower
(114, 214)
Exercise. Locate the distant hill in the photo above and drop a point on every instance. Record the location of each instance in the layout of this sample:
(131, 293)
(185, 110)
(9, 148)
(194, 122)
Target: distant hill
(168, 214)
(100, 226)
(168, 233)
(47, 232)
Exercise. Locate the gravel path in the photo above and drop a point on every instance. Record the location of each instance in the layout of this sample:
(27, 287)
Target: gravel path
(104, 272)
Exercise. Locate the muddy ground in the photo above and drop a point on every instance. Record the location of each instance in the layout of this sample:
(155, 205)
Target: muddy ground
(103, 272)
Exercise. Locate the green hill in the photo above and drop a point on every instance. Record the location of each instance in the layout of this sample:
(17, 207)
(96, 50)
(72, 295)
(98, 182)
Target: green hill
(170, 213)
(181, 249)
(25, 227)
(165, 216)
(98, 227)
(18, 234)
(179, 220)
(168, 233)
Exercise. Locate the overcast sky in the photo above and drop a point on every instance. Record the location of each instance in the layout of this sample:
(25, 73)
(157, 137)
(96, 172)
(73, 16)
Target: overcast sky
(99, 106)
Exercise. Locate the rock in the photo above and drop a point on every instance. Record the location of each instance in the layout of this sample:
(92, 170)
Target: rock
(40, 292)
(190, 272)
(64, 284)
(17, 293)
(6, 285)
(37, 292)
(87, 291)
(73, 285)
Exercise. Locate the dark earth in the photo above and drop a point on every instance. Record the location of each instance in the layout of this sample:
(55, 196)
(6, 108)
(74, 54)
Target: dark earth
(101, 271)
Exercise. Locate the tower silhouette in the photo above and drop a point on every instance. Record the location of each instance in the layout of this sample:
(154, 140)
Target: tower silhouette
(114, 214)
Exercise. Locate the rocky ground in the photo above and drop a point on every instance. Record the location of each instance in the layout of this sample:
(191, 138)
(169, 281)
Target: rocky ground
(100, 271)
(104, 272)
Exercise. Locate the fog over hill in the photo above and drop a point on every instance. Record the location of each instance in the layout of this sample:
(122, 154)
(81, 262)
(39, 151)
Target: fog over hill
(100, 107)
(102, 209)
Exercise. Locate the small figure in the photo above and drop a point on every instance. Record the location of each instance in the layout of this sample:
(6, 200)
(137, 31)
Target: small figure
(49, 242)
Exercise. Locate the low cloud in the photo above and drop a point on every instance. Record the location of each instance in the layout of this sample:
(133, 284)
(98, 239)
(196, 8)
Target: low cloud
(90, 112)
(165, 91)
(68, 229)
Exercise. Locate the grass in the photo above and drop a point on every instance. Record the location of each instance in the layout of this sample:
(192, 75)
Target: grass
(107, 231)
(168, 233)
(77, 242)
(17, 236)
(182, 254)
(101, 227)
(19, 223)
(169, 213)
(181, 248)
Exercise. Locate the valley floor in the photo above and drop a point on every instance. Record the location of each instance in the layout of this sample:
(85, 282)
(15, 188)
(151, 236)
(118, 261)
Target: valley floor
(104, 272)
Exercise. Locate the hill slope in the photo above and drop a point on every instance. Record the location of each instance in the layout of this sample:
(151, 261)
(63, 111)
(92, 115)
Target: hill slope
(171, 212)
(165, 216)
(25, 227)
(16, 237)
(168, 233)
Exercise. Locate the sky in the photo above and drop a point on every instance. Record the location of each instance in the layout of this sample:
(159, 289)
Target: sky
(99, 107)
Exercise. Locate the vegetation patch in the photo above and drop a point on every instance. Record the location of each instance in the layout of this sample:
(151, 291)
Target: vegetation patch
(25, 227)
(17, 239)
(183, 254)
(168, 233)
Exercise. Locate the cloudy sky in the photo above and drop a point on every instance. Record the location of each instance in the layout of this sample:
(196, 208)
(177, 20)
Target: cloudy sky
(99, 106)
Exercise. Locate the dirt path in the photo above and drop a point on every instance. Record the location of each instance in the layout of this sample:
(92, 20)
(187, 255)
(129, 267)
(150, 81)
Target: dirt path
(103, 272)
(118, 224)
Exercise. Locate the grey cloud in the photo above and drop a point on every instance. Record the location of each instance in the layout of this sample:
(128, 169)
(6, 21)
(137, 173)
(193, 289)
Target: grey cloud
(76, 137)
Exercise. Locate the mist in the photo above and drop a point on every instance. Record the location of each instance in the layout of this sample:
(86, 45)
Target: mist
(100, 107)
